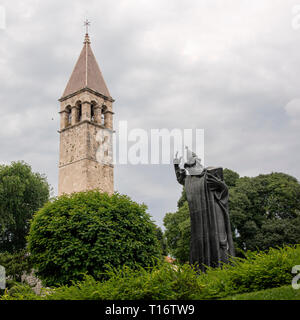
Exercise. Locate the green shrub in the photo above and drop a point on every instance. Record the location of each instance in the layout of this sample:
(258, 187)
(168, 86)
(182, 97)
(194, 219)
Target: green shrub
(162, 282)
(83, 232)
(15, 264)
(20, 291)
(257, 271)
(166, 282)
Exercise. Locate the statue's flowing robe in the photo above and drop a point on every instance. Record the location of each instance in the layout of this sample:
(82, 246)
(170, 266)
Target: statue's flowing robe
(211, 236)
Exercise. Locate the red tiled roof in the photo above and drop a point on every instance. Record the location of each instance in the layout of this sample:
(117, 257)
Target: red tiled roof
(86, 73)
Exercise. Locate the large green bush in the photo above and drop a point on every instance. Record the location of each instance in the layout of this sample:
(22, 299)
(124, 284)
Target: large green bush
(85, 232)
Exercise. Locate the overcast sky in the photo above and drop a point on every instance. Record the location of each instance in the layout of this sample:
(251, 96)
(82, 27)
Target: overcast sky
(230, 67)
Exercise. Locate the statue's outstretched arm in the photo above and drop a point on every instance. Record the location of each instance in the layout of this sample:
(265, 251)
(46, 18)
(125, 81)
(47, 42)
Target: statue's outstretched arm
(180, 173)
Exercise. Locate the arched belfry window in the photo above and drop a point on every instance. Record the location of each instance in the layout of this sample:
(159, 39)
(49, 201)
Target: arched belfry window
(79, 111)
(93, 104)
(69, 116)
(104, 108)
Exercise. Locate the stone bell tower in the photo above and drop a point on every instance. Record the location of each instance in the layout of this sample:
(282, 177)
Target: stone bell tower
(85, 126)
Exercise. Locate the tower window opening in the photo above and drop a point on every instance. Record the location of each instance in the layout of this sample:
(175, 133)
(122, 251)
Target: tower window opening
(79, 112)
(93, 112)
(69, 116)
(104, 108)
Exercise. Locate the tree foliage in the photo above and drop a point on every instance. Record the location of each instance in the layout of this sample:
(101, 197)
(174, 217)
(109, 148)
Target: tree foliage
(22, 192)
(265, 211)
(87, 231)
(178, 232)
(182, 199)
(162, 241)
(230, 177)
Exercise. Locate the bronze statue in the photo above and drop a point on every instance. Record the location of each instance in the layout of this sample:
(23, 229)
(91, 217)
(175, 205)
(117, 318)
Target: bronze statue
(207, 196)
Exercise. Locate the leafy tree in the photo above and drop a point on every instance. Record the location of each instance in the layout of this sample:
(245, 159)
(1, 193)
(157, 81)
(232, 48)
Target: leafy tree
(178, 232)
(87, 231)
(230, 177)
(162, 240)
(22, 192)
(265, 211)
(182, 199)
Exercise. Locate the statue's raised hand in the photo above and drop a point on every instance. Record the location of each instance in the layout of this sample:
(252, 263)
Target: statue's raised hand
(176, 159)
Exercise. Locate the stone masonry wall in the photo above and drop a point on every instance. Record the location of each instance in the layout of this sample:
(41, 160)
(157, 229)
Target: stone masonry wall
(79, 169)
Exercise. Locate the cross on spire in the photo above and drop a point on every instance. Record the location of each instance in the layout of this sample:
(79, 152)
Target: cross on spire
(87, 23)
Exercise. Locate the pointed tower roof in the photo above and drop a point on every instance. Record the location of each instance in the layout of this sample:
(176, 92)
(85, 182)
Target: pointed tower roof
(86, 73)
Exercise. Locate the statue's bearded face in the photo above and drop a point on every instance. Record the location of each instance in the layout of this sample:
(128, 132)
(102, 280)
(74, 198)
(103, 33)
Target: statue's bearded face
(194, 167)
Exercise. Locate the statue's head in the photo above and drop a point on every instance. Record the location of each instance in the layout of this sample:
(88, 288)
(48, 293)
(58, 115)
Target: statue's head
(193, 164)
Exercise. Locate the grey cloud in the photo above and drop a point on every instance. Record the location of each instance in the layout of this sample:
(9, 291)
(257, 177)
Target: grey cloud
(231, 69)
